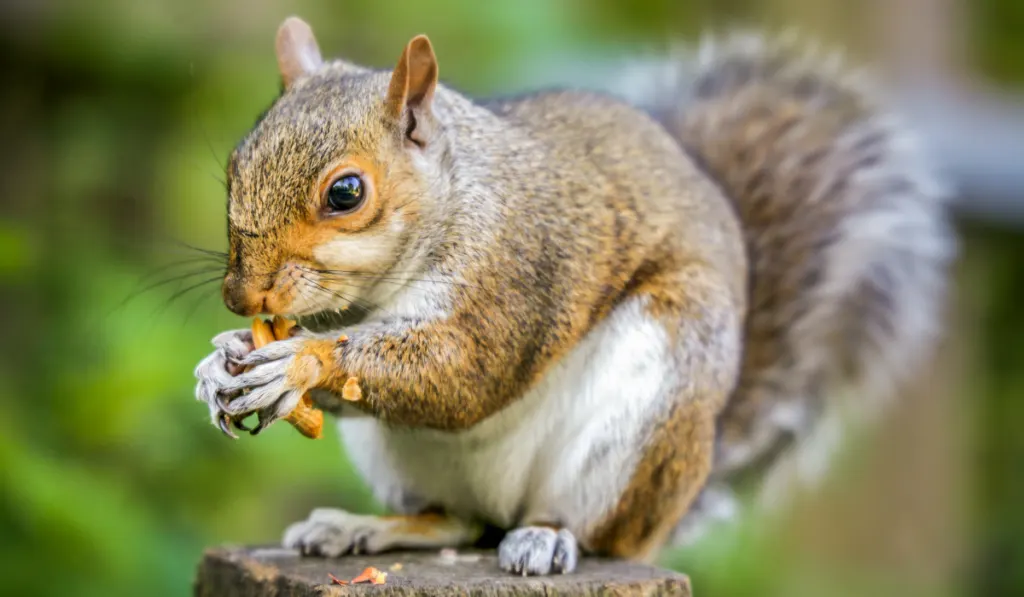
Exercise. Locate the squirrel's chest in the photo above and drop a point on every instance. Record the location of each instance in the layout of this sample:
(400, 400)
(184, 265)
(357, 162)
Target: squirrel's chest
(490, 471)
(567, 441)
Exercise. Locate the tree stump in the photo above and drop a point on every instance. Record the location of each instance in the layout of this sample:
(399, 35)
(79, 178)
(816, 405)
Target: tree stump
(277, 572)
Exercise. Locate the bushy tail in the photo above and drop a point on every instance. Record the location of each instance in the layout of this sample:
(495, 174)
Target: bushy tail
(848, 240)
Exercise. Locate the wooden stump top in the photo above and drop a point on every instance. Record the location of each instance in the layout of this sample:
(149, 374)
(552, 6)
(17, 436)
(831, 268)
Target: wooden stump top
(277, 572)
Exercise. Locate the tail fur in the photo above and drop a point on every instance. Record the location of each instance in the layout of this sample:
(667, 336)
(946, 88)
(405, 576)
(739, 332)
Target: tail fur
(849, 249)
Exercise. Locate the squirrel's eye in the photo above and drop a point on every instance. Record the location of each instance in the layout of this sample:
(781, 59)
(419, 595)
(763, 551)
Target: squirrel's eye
(346, 193)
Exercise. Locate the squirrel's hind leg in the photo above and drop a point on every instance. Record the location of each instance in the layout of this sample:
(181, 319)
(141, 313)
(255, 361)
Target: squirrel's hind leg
(673, 469)
(638, 429)
(675, 458)
(332, 533)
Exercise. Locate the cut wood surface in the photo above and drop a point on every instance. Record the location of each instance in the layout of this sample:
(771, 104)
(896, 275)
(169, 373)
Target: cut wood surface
(277, 572)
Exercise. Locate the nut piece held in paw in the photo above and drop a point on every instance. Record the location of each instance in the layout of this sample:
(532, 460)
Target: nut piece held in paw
(305, 418)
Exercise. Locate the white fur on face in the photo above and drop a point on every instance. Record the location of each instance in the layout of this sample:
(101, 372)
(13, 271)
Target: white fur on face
(351, 264)
(367, 251)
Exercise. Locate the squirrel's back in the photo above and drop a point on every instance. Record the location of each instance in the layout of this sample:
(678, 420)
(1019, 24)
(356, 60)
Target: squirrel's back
(847, 236)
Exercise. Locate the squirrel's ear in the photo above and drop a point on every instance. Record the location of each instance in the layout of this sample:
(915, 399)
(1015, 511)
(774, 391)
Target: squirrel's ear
(297, 51)
(412, 86)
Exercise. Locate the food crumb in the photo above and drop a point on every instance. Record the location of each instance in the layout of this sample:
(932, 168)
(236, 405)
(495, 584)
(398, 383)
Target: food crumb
(448, 556)
(371, 575)
(351, 390)
(396, 567)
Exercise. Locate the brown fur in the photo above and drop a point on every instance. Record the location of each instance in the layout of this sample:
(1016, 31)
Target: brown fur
(453, 373)
(678, 457)
(673, 468)
(535, 217)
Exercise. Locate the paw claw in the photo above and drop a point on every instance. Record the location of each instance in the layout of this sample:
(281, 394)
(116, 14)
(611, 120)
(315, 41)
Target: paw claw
(224, 422)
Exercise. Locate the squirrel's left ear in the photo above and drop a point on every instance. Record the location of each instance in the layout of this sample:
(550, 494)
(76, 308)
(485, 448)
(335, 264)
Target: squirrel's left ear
(297, 51)
(412, 88)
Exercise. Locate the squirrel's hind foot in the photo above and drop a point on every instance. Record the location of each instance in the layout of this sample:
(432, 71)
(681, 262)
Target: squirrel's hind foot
(538, 551)
(332, 533)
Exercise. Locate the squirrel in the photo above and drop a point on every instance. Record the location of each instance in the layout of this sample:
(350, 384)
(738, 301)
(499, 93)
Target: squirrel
(573, 318)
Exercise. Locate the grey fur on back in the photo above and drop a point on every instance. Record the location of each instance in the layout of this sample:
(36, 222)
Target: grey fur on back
(849, 245)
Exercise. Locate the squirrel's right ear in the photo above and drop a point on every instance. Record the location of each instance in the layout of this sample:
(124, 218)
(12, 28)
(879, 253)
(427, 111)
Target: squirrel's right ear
(412, 88)
(297, 51)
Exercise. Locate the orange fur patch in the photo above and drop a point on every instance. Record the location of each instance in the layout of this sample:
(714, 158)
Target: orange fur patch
(427, 524)
(304, 236)
(312, 365)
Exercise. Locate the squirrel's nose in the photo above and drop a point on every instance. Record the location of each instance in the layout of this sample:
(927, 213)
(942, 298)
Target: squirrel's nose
(242, 297)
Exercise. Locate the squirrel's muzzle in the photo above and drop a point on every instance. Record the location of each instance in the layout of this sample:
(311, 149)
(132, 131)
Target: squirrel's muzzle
(241, 296)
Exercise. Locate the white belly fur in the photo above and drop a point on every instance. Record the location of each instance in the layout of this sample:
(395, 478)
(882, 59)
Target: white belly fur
(529, 462)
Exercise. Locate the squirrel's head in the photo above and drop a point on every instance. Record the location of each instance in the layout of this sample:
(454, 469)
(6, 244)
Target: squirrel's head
(327, 190)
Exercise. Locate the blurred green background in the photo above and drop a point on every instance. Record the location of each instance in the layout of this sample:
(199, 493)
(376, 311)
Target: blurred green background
(116, 120)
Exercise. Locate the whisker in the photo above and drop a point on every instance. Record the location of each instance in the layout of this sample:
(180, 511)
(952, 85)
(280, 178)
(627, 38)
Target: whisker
(407, 282)
(213, 152)
(183, 292)
(406, 204)
(371, 279)
(185, 245)
(341, 295)
(396, 277)
(207, 260)
(195, 305)
(209, 143)
(400, 283)
(164, 282)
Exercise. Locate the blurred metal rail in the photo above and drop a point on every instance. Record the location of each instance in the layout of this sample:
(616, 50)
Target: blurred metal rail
(975, 136)
(978, 140)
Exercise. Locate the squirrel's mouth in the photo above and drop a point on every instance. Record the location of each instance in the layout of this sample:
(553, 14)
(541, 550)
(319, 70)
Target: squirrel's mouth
(323, 321)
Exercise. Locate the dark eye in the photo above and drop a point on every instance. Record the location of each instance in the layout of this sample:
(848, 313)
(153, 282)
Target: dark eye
(346, 193)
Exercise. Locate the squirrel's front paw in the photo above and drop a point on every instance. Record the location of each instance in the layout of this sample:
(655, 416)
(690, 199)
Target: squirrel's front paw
(278, 375)
(538, 551)
(218, 368)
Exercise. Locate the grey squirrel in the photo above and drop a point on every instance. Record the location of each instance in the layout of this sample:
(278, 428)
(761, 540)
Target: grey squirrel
(571, 318)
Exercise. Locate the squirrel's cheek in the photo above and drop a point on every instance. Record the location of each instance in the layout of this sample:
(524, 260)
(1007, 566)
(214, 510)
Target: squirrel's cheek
(371, 250)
